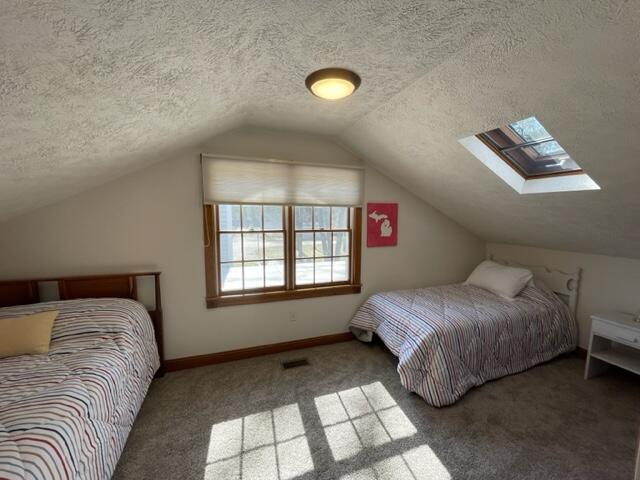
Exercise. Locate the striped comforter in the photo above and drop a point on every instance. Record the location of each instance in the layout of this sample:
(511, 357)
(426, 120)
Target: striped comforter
(67, 415)
(451, 338)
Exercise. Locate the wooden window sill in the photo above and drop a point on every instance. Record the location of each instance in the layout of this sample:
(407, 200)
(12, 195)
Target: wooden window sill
(281, 295)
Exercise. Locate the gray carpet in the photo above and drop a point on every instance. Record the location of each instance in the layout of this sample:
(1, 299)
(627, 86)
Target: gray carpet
(252, 419)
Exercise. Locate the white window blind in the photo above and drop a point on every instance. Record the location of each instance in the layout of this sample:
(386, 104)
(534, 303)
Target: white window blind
(249, 180)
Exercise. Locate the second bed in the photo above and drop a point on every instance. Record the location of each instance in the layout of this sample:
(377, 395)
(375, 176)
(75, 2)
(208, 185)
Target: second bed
(451, 338)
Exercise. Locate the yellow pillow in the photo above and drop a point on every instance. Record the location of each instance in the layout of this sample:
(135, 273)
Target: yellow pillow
(26, 335)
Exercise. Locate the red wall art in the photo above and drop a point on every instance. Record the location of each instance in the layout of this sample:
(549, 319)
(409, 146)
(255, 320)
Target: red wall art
(382, 224)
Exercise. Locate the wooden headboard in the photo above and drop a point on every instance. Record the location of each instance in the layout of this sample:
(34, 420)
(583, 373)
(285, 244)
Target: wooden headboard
(121, 285)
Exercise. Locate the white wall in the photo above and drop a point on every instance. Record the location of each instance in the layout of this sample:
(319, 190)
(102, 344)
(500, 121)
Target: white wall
(152, 220)
(608, 283)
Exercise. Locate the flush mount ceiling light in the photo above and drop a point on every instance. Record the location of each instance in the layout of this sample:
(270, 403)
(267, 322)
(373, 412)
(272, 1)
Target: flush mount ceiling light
(332, 83)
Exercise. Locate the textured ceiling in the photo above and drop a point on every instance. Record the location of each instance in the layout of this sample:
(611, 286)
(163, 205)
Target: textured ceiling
(576, 66)
(90, 90)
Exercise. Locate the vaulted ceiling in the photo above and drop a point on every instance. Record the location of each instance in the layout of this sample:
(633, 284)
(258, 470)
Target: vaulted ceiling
(91, 90)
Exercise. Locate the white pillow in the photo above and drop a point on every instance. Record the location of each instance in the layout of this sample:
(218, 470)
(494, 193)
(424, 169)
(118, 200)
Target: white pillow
(505, 281)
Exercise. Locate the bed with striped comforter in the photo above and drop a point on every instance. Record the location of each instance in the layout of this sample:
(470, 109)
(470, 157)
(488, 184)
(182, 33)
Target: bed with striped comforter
(67, 415)
(451, 338)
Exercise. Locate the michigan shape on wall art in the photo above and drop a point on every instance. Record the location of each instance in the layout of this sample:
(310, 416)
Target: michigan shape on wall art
(382, 224)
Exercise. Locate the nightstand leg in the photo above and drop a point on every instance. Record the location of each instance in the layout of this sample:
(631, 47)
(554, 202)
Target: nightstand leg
(596, 366)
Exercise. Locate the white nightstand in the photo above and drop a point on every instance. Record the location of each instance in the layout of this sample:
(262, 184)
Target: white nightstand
(615, 340)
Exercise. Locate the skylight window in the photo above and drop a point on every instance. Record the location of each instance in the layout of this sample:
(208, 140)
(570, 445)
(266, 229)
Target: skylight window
(528, 158)
(530, 149)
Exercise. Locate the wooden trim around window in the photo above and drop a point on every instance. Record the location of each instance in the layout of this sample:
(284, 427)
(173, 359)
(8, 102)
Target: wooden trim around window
(211, 275)
(356, 247)
(277, 296)
(215, 298)
(290, 250)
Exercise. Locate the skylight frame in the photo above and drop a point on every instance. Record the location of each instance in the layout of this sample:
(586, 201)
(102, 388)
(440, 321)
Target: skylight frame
(488, 151)
(503, 152)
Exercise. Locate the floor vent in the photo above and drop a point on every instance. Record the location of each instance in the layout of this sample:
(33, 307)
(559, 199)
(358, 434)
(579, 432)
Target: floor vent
(295, 363)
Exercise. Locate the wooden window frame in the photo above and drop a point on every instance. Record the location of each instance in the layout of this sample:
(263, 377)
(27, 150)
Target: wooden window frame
(216, 298)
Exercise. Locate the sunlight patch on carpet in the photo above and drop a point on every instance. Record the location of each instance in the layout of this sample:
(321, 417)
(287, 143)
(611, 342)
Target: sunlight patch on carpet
(416, 464)
(360, 418)
(269, 445)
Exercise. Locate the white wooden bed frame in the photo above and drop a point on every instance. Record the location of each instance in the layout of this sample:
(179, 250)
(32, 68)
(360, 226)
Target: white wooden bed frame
(565, 285)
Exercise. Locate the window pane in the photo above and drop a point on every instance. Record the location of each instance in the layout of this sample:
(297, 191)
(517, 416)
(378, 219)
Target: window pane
(253, 275)
(229, 217)
(230, 247)
(527, 130)
(252, 246)
(274, 245)
(254, 257)
(304, 272)
(251, 217)
(230, 276)
(323, 270)
(531, 163)
(274, 273)
(530, 129)
(341, 269)
(303, 218)
(304, 245)
(339, 217)
(340, 243)
(323, 244)
(272, 217)
(321, 218)
(527, 146)
(549, 148)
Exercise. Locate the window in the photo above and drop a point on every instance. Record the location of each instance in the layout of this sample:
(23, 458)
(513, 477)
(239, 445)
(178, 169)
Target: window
(526, 157)
(530, 150)
(322, 237)
(278, 230)
(251, 247)
(260, 253)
